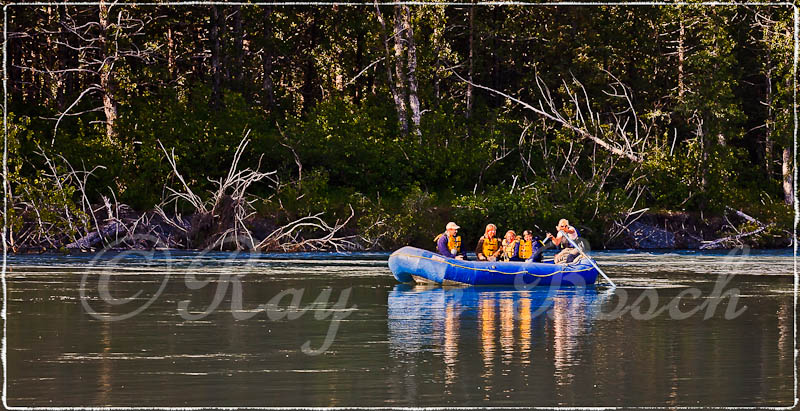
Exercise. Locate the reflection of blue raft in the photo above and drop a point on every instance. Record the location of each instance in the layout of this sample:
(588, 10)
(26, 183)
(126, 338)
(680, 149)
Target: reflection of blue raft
(447, 319)
(414, 264)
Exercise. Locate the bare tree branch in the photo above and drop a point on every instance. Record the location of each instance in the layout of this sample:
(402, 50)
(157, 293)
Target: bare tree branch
(554, 114)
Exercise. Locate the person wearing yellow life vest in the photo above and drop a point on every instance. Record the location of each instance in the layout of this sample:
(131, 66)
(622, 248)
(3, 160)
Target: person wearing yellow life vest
(448, 243)
(488, 248)
(510, 247)
(530, 248)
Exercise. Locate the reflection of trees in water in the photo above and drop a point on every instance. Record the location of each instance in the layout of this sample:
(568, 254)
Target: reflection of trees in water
(785, 327)
(106, 371)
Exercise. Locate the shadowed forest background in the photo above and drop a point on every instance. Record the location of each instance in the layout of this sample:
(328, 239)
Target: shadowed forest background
(332, 127)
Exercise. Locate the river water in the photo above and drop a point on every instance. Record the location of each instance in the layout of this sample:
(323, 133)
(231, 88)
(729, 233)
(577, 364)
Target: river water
(336, 330)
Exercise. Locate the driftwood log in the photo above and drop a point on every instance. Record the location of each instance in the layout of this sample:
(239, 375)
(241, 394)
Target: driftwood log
(719, 243)
(113, 229)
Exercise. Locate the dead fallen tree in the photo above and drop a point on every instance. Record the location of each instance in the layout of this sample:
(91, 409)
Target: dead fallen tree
(223, 220)
(735, 240)
(96, 238)
(612, 134)
(57, 214)
(288, 238)
(222, 216)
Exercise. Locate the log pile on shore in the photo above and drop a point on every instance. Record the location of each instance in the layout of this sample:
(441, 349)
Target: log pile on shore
(683, 230)
(226, 220)
(157, 230)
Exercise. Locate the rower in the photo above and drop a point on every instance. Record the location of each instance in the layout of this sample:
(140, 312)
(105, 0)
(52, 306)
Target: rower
(567, 253)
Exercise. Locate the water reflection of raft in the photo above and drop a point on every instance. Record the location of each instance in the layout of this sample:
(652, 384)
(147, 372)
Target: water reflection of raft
(414, 264)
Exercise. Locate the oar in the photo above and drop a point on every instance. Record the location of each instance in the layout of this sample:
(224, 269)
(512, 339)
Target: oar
(587, 257)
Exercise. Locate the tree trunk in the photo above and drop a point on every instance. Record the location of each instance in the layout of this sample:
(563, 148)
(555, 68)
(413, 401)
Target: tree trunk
(64, 60)
(768, 123)
(217, 17)
(413, 98)
(471, 60)
(681, 54)
(496, 80)
(359, 63)
(199, 69)
(171, 67)
(15, 63)
(788, 177)
(238, 48)
(53, 80)
(269, 93)
(400, 80)
(399, 103)
(703, 154)
(309, 88)
(107, 73)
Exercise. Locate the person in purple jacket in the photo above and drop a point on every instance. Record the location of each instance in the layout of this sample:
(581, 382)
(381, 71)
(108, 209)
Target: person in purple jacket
(448, 243)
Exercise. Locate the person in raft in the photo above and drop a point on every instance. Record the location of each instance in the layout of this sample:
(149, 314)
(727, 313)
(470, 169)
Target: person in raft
(488, 248)
(511, 247)
(448, 243)
(568, 253)
(530, 248)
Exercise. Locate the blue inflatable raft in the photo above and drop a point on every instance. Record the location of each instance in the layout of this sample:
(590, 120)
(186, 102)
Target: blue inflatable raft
(413, 264)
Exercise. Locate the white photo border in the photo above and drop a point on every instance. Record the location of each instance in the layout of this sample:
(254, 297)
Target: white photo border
(4, 313)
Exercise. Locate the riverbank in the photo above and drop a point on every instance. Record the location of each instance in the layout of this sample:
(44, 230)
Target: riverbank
(125, 229)
(694, 230)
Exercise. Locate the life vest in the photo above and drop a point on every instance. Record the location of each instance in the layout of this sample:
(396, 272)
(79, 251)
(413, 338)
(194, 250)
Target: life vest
(508, 249)
(451, 242)
(525, 249)
(490, 246)
(528, 248)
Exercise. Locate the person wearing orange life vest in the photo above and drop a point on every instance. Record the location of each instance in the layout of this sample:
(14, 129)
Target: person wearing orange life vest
(511, 247)
(488, 248)
(448, 243)
(530, 248)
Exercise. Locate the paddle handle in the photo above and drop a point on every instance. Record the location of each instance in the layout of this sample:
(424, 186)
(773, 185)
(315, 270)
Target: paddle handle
(587, 257)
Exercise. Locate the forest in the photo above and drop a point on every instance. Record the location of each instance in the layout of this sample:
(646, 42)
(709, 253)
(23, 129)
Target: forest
(369, 127)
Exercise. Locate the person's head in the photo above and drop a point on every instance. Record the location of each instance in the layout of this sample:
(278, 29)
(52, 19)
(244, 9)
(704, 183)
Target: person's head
(491, 230)
(527, 235)
(563, 224)
(452, 228)
(510, 235)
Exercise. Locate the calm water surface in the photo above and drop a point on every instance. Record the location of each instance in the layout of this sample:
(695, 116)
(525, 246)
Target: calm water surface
(190, 329)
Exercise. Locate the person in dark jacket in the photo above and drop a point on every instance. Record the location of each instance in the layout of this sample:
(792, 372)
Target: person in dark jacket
(530, 248)
(448, 243)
